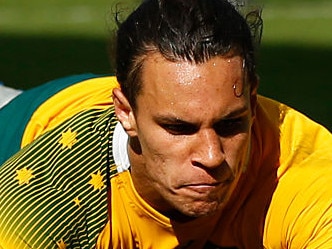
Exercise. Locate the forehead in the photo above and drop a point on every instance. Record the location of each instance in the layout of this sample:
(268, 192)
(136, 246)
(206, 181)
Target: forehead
(185, 72)
(190, 86)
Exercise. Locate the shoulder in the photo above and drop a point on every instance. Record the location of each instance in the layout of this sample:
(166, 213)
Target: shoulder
(301, 206)
(79, 93)
(300, 213)
(39, 109)
(298, 136)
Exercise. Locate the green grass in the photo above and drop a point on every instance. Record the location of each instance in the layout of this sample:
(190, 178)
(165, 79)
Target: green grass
(60, 17)
(295, 65)
(41, 40)
(308, 23)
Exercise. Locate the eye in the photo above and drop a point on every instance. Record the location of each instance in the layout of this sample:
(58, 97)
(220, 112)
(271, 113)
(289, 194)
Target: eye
(179, 129)
(232, 126)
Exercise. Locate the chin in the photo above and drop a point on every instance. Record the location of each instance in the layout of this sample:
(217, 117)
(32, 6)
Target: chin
(202, 209)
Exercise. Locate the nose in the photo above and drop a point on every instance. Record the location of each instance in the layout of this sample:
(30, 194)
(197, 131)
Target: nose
(208, 151)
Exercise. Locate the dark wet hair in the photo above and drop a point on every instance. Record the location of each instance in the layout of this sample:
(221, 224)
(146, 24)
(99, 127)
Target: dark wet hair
(190, 30)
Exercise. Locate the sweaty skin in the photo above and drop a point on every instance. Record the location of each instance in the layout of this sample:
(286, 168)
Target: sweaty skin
(189, 135)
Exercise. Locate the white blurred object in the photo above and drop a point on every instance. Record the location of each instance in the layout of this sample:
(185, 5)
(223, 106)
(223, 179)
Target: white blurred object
(7, 94)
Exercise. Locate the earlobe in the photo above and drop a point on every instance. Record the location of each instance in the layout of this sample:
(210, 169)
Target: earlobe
(124, 112)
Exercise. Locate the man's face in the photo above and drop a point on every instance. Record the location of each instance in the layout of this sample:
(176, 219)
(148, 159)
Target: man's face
(190, 134)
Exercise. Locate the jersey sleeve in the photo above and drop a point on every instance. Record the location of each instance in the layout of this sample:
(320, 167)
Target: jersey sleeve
(53, 192)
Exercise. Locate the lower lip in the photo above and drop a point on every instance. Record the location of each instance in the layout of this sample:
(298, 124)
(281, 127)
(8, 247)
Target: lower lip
(202, 188)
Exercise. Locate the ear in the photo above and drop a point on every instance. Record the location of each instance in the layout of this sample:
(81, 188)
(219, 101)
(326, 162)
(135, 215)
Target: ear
(124, 112)
(253, 95)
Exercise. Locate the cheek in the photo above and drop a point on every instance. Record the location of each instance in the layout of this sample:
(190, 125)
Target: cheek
(165, 154)
(236, 151)
(151, 140)
(165, 160)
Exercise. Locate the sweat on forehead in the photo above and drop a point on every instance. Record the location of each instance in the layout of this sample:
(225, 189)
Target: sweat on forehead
(158, 68)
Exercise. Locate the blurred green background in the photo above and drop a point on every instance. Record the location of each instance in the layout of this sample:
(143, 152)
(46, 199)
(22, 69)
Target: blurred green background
(42, 40)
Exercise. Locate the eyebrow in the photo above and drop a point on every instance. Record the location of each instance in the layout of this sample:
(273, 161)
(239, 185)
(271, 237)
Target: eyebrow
(170, 119)
(177, 120)
(237, 112)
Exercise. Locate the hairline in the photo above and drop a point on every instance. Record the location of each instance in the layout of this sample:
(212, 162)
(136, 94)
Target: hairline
(138, 63)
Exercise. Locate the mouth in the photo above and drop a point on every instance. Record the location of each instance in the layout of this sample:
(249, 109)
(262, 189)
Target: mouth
(204, 187)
